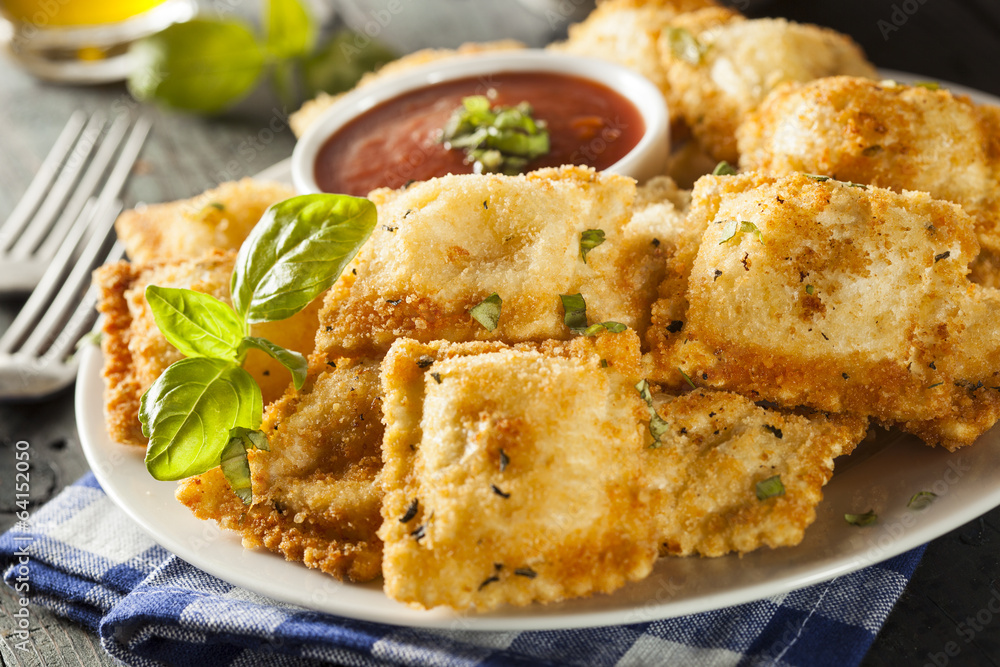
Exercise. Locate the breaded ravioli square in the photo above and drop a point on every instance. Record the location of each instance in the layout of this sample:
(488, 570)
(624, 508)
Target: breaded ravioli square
(719, 446)
(315, 498)
(135, 352)
(444, 245)
(512, 473)
(220, 218)
(838, 296)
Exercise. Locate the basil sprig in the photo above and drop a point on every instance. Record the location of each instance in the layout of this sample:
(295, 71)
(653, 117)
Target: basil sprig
(205, 410)
(207, 65)
(495, 139)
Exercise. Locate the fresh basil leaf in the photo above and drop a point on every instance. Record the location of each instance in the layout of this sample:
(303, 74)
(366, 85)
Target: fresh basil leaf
(198, 325)
(865, 519)
(290, 359)
(589, 240)
(575, 312)
(296, 251)
(770, 488)
(291, 32)
(341, 62)
(724, 169)
(487, 311)
(658, 426)
(188, 412)
(234, 462)
(200, 65)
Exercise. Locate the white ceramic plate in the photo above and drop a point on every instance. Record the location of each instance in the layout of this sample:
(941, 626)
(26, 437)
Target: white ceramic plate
(881, 475)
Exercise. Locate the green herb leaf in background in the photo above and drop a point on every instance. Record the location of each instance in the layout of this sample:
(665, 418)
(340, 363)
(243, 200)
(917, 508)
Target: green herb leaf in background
(198, 325)
(208, 65)
(293, 361)
(235, 463)
(290, 32)
(188, 412)
(201, 65)
(296, 252)
(338, 64)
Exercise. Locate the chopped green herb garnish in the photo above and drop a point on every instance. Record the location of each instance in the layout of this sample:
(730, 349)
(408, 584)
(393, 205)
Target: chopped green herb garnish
(604, 363)
(734, 227)
(685, 45)
(487, 582)
(810, 289)
(487, 311)
(687, 378)
(218, 205)
(818, 177)
(945, 255)
(936, 384)
(874, 149)
(525, 572)
(865, 519)
(657, 425)
(724, 169)
(504, 460)
(589, 240)
(575, 317)
(496, 490)
(929, 85)
(775, 430)
(437, 377)
(921, 500)
(770, 488)
(495, 139)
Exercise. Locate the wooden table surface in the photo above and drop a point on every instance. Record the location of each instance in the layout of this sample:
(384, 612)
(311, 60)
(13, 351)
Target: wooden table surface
(956, 41)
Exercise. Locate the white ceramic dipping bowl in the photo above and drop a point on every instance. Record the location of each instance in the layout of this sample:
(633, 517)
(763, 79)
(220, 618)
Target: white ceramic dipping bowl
(647, 159)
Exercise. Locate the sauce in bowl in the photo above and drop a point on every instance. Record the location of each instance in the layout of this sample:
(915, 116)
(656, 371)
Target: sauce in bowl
(399, 140)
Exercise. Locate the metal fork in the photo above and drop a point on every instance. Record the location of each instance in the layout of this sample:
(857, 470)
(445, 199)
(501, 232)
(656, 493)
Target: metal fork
(37, 350)
(69, 176)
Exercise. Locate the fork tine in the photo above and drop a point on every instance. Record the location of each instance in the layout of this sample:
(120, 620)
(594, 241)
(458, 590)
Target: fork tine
(65, 302)
(83, 318)
(42, 220)
(85, 189)
(21, 215)
(119, 174)
(50, 281)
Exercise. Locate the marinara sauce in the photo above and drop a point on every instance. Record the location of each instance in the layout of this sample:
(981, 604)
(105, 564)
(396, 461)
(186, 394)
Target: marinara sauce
(399, 140)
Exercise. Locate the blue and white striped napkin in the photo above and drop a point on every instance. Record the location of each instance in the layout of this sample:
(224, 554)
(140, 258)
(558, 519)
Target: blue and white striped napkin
(88, 562)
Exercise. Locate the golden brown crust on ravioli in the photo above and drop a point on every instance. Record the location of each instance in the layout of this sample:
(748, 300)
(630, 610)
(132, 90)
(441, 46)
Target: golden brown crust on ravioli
(512, 473)
(315, 496)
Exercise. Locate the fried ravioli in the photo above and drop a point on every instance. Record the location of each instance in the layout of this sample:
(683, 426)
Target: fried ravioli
(511, 473)
(719, 447)
(315, 496)
(135, 352)
(885, 134)
(718, 75)
(443, 246)
(220, 218)
(629, 32)
(840, 297)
